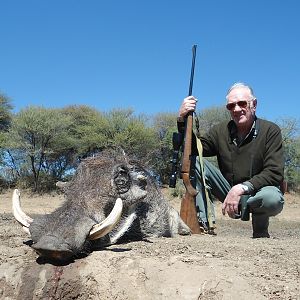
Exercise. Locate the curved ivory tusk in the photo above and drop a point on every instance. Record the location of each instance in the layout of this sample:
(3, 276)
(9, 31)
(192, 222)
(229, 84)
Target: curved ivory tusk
(20, 216)
(109, 223)
(26, 229)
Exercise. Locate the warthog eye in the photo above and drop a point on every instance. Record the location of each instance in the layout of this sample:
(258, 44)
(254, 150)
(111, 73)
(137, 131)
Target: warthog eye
(122, 179)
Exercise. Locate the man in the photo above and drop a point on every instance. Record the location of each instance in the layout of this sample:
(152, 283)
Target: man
(250, 158)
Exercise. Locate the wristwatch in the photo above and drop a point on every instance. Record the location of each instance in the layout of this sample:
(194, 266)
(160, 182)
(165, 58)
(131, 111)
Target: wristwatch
(245, 188)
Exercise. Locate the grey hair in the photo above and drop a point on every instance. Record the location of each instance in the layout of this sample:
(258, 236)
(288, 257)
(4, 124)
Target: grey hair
(241, 84)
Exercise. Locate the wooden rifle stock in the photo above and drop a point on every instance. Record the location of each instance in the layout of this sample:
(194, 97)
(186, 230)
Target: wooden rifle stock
(188, 211)
(186, 156)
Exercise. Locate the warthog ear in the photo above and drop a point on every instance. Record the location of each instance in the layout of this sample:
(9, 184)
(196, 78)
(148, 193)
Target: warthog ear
(107, 225)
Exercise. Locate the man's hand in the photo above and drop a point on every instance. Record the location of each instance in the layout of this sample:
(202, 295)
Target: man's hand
(188, 104)
(231, 202)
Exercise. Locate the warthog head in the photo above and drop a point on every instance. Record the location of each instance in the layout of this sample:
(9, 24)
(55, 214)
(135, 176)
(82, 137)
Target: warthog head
(101, 189)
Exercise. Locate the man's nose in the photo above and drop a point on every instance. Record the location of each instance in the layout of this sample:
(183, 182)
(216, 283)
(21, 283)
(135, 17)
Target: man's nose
(237, 107)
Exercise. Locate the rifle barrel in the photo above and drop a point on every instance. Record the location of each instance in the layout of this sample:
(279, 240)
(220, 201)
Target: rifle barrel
(194, 50)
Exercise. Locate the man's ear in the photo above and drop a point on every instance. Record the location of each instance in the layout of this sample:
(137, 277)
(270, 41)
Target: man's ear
(254, 103)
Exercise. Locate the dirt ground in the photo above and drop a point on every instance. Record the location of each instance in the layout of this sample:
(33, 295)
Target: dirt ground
(230, 265)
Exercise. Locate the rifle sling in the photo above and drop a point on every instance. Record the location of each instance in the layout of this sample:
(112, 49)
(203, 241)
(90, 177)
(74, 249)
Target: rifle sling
(207, 198)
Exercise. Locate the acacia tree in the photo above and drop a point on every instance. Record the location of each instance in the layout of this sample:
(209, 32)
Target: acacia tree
(291, 146)
(5, 121)
(86, 128)
(94, 130)
(5, 112)
(35, 134)
(164, 125)
(130, 132)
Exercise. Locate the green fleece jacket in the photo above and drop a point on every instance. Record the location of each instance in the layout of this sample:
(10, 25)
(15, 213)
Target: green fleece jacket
(258, 159)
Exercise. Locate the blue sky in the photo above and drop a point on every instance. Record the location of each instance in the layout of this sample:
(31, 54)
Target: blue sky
(137, 54)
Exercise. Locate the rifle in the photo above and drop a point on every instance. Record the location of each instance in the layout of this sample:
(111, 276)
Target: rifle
(188, 211)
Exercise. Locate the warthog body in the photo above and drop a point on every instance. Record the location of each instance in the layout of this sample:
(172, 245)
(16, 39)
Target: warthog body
(90, 197)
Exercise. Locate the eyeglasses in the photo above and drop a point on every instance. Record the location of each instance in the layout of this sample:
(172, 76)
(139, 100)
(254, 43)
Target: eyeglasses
(242, 104)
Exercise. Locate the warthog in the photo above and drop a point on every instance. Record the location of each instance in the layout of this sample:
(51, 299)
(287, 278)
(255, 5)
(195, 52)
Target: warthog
(110, 199)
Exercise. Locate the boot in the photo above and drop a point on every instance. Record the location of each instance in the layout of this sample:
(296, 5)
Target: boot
(260, 224)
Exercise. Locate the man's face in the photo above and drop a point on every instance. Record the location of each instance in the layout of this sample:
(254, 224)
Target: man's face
(241, 106)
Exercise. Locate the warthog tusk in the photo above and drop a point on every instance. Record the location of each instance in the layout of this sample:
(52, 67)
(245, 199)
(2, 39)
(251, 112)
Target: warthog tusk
(19, 215)
(109, 223)
(26, 229)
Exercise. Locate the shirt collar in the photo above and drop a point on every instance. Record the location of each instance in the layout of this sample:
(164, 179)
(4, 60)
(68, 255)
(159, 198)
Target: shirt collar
(233, 132)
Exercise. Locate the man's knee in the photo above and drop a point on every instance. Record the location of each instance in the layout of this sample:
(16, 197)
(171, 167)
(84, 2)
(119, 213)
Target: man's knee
(273, 206)
(270, 201)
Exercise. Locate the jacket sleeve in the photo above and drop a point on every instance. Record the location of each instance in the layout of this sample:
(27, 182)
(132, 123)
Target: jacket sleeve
(273, 166)
(209, 143)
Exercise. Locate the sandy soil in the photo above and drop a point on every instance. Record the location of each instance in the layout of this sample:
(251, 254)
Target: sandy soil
(230, 265)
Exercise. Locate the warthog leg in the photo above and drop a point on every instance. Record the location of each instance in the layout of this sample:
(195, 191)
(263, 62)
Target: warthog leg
(109, 223)
(20, 216)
